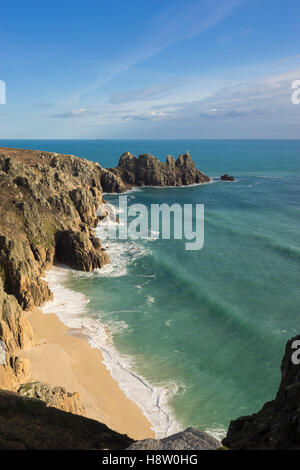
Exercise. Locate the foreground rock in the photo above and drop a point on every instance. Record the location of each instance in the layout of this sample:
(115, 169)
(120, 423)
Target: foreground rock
(28, 424)
(277, 425)
(56, 397)
(190, 439)
(227, 178)
(150, 171)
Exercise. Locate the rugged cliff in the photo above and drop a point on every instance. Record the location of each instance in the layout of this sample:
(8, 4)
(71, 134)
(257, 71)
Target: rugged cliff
(149, 171)
(277, 424)
(48, 208)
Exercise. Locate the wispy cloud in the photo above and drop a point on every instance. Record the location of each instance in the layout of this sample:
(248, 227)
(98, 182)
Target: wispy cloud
(269, 96)
(145, 93)
(75, 113)
(183, 20)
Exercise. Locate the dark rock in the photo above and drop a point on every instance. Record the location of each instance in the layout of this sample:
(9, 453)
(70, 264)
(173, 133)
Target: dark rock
(28, 424)
(227, 178)
(80, 250)
(190, 439)
(277, 424)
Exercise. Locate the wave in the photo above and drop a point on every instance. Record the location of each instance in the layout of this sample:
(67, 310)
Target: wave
(221, 222)
(134, 189)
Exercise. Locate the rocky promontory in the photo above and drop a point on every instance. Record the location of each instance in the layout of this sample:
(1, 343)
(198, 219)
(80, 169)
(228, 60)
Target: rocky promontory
(148, 170)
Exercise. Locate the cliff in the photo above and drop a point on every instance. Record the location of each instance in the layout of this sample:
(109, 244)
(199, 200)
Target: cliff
(147, 170)
(48, 208)
(277, 425)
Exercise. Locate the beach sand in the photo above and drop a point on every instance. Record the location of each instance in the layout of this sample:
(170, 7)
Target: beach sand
(64, 358)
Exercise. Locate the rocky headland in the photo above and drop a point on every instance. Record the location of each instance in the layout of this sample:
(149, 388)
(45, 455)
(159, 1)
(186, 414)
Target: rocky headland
(48, 209)
(148, 170)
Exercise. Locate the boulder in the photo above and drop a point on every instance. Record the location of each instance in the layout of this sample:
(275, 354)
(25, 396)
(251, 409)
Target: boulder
(190, 439)
(227, 178)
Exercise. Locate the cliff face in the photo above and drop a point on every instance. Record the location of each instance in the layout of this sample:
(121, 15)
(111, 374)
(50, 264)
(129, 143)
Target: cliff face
(149, 171)
(48, 205)
(277, 424)
(15, 333)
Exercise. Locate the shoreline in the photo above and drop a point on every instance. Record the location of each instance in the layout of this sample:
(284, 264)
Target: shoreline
(81, 369)
(70, 308)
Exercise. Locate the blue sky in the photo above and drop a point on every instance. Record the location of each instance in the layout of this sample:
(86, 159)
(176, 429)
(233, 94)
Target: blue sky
(159, 69)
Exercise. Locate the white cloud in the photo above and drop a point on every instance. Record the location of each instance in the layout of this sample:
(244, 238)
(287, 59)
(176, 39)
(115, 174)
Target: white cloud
(75, 113)
(270, 96)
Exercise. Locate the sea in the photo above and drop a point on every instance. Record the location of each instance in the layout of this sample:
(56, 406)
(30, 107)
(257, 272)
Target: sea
(195, 338)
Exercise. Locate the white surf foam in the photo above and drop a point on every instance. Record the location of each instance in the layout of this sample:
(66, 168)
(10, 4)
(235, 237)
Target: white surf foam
(217, 431)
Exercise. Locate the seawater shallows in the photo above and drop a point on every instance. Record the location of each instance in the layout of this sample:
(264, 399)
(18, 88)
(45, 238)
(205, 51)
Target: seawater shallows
(213, 322)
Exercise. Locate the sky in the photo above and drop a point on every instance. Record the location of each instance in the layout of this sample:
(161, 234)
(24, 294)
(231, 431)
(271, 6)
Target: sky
(162, 69)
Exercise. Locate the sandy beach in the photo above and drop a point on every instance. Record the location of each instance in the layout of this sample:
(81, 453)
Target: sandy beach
(64, 358)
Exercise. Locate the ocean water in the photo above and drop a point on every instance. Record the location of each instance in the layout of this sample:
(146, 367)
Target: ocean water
(196, 337)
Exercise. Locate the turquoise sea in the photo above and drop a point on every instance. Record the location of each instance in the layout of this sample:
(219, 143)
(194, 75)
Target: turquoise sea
(197, 337)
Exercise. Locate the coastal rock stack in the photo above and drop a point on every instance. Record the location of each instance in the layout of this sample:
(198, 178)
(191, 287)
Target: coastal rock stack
(227, 178)
(148, 170)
